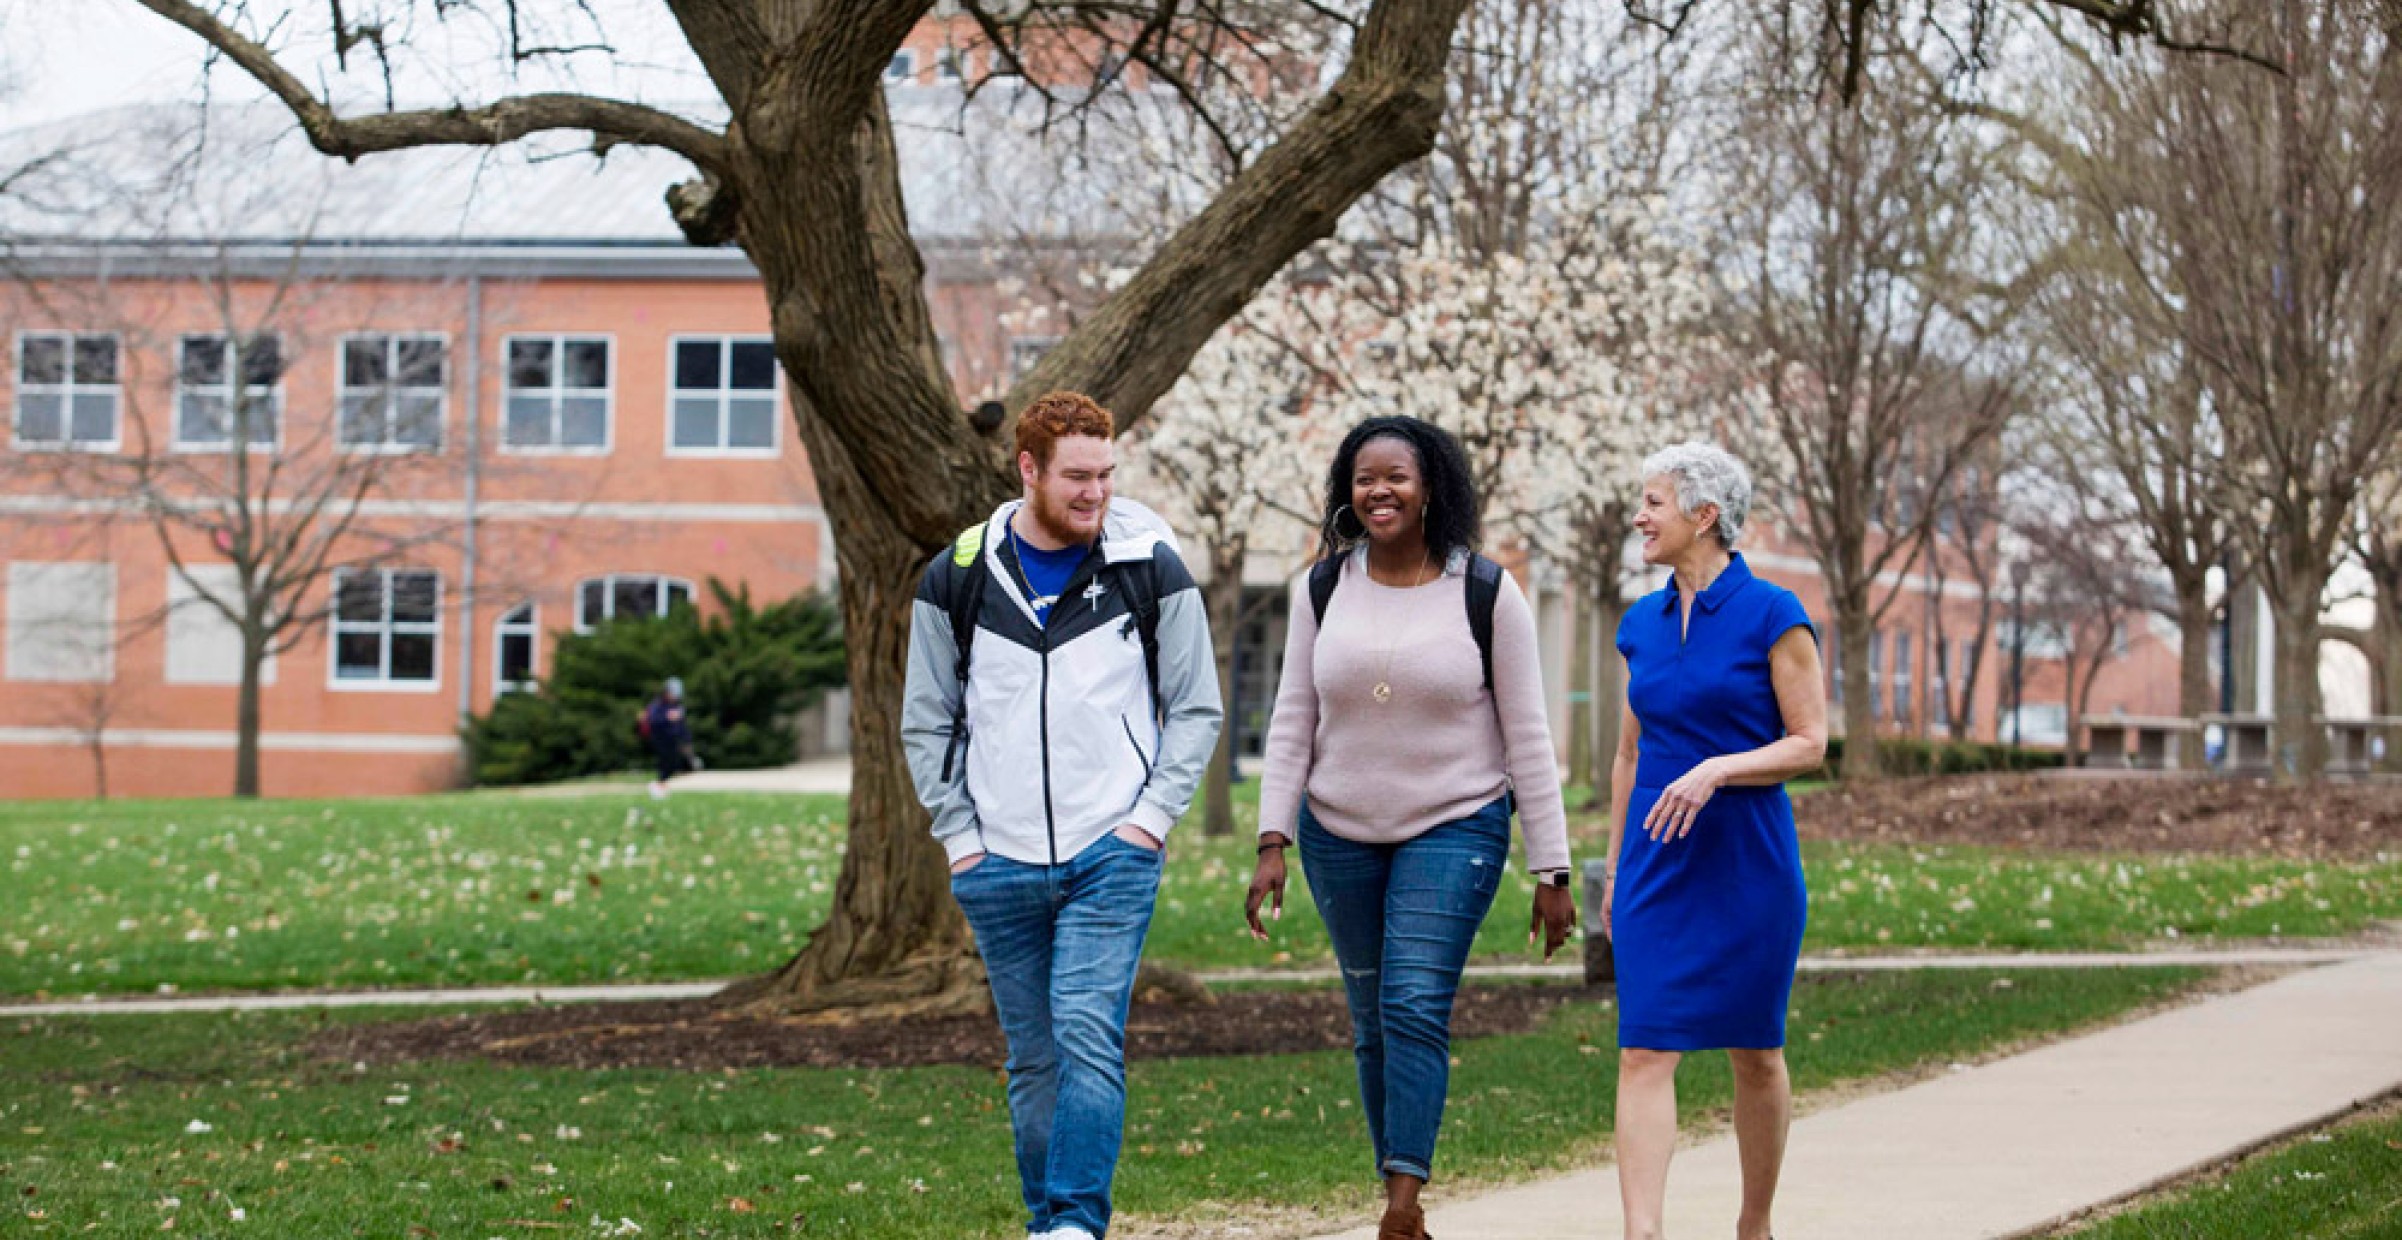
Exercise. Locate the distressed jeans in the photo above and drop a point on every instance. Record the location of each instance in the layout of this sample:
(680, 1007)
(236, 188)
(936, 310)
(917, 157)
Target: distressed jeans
(1402, 918)
(1060, 945)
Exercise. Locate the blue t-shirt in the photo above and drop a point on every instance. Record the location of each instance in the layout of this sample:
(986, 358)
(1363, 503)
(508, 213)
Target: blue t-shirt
(1047, 572)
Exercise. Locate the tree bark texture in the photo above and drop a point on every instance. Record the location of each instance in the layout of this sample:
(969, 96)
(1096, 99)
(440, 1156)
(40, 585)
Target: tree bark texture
(2195, 632)
(246, 713)
(1224, 599)
(1860, 756)
(2301, 742)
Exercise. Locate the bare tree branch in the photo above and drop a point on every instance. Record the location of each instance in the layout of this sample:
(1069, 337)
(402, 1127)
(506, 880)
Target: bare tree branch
(493, 124)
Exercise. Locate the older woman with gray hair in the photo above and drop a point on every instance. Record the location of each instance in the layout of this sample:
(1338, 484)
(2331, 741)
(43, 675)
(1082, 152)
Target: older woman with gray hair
(1705, 904)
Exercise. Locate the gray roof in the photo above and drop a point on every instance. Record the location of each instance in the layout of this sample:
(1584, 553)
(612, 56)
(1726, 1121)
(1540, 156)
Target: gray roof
(973, 170)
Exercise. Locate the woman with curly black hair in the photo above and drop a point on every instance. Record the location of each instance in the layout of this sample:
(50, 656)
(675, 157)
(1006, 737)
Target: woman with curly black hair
(1409, 724)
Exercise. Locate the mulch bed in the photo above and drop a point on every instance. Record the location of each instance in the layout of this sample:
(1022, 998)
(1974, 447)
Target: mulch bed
(2090, 814)
(694, 1036)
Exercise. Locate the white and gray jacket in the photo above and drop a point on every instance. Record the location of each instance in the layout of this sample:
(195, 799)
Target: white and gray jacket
(1064, 744)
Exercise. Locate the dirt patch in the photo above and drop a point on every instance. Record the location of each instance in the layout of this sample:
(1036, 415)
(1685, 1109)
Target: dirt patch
(693, 1035)
(2243, 817)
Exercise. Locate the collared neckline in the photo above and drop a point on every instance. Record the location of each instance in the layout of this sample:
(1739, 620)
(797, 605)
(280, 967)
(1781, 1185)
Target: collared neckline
(1729, 582)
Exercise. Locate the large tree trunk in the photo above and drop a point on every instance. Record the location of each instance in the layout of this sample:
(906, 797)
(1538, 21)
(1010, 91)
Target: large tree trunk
(246, 713)
(1860, 758)
(2194, 635)
(1224, 599)
(894, 942)
(2301, 742)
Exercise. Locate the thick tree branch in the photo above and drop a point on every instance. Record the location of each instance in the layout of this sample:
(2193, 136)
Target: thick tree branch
(493, 124)
(1382, 113)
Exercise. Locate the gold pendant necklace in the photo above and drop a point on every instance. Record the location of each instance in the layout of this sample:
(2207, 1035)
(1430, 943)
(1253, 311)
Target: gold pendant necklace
(1383, 692)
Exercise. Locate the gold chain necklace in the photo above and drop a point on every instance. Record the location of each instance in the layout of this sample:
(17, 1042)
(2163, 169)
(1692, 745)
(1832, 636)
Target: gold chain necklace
(1384, 678)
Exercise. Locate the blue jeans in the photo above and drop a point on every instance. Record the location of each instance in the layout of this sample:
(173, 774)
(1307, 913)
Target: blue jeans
(1402, 918)
(1060, 945)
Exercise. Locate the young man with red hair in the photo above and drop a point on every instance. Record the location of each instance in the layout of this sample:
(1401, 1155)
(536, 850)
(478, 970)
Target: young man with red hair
(1061, 705)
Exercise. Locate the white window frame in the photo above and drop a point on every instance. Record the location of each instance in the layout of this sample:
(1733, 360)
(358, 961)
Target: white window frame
(390, 390)
(608, 583)
(388, 628)
(950, 65)
(1833, 645)
(529, 628)
(1876, 681)
(558, 393)
(275, 396)
(1940, 672)
(725, 375)
(66, 392)
(902, 68)
(1903, 678)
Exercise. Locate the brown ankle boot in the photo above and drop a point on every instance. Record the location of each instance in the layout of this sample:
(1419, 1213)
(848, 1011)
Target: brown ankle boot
(1403, 1223)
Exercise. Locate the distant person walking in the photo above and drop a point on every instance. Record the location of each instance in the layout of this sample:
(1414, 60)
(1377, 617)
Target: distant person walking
(1062, 701)
(1409, 724)
(670, 736)
(1725, 702)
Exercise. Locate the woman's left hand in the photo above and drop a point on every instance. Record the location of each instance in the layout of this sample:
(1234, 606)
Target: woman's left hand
(1671, 817)
(1555, 915)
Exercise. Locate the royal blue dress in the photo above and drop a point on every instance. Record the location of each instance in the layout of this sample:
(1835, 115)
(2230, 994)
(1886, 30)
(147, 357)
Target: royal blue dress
(1707, 929)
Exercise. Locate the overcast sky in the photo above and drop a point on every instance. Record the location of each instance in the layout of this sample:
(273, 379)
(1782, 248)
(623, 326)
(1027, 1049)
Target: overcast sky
(63, 57)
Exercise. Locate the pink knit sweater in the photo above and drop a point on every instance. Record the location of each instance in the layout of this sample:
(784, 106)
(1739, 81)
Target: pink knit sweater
(1441, 748)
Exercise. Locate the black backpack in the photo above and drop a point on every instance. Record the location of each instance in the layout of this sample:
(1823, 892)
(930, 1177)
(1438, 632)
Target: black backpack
(1142, 598)
(1484, 592)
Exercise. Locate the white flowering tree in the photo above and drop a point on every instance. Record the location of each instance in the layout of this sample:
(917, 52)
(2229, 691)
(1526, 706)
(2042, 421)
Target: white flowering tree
(1647, 370)
(1232, 458)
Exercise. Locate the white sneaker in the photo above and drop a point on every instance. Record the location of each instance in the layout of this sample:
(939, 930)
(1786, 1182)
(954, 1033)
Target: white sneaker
(658, 791)
(1066, 1233)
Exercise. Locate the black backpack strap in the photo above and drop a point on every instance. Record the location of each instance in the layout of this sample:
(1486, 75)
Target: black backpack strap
(1323, 576)
(967, 603)
(1141, 584)
(1484, 593)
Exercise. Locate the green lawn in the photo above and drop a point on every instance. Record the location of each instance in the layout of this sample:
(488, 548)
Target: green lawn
(492, 888)
(115, 1126)
(2341, 1184)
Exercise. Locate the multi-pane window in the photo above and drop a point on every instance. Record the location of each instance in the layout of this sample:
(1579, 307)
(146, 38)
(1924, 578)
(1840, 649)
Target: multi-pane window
(515, 638)
(1901, 678)
(224, 382)
(67, 390)
(1876, 680)
(725, 395)
(558, 394)
(627, 595)
(902, 67)
(62, 621)
(1939, 685)
(1834, 648)
(387, 626)
(392, 392)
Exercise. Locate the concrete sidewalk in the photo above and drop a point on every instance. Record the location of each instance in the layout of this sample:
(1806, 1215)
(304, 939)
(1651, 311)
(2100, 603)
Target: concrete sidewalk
(2016, 1145)
(634, 992)
(831, 776)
